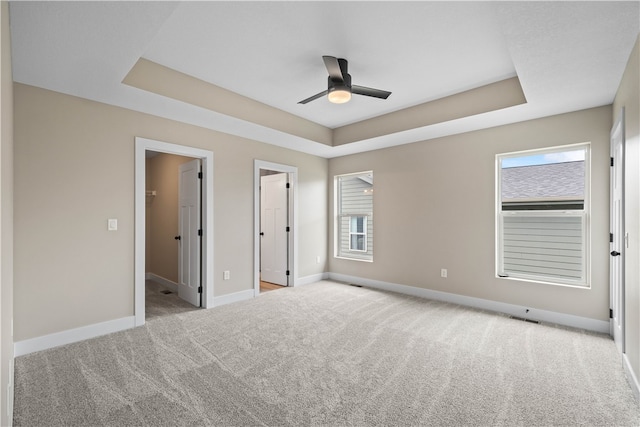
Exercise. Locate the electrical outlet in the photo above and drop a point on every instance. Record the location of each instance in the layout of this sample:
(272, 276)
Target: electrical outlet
(318, 259)
(443, 273)
(226, 275)
(112, 224)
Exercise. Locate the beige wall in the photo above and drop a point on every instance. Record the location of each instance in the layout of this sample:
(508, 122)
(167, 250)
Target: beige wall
(74, 169)
(6, 216)
(162, 248)
(628, 97)
(434, 208)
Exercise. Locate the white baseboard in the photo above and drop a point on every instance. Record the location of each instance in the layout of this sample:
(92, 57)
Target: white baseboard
(500, 307)
(631, 377)
(307, 280)
(234, 297)
(45, 342)
(169, 284)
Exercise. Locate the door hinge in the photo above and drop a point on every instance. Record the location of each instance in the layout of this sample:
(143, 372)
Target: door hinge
(200, 233)
(288, 229)
(288, 185)
(199, 175)
(612, 162)
(610, 237)
(199, 289)
(288, 272)
(610, 313)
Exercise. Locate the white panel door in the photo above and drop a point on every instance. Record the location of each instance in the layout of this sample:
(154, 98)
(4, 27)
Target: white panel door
(273, 229)
(189, 234)
(616, 266)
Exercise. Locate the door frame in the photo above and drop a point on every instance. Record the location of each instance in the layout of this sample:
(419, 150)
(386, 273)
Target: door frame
(142, 145)
(618, 131)
(292, 172)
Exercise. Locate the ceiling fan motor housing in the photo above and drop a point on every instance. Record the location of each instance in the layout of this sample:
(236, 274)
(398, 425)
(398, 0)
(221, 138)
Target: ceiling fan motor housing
(345, 84)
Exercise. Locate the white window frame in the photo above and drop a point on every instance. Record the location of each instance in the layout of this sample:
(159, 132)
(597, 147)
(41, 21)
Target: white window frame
(338, 215)
(585, 214)
(355, 233)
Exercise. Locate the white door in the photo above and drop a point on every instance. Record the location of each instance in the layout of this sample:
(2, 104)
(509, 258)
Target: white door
(273, 229)
(190, 232)
(617, 237)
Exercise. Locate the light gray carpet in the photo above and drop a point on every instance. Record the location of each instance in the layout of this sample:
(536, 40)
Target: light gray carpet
(159, 304)
(329, 354)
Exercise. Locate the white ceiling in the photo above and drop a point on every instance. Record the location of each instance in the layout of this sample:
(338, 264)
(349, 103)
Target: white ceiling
(567, 55)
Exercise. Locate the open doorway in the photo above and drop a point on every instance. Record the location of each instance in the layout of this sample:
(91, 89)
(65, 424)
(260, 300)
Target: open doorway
(275, 244)
(173, 220)
(198, 167)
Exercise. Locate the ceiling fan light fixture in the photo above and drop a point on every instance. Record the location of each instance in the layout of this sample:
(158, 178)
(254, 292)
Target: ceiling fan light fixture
(339, 96)
(339, 88)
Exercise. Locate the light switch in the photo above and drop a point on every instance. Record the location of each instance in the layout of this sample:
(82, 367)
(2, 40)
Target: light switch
(112, 224)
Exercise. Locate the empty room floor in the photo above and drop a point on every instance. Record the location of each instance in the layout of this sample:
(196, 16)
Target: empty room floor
(330, 354)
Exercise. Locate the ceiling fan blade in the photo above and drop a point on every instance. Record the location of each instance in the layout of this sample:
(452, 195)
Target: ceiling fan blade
(314, 97)
(344, 66)
(367, 91)
(333, 67)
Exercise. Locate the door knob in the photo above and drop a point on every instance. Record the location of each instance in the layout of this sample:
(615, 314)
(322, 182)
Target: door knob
(178, 238)
(615, 253)
(262, 233)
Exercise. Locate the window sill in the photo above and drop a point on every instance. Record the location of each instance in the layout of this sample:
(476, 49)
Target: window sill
(543, 282)
(353, 259)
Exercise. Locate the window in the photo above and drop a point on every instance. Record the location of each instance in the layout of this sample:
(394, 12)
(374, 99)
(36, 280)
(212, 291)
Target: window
(354, 216)
(358, 233)
(542, 215)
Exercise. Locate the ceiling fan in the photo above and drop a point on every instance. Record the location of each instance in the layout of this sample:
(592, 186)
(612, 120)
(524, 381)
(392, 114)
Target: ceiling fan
(339, 88)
